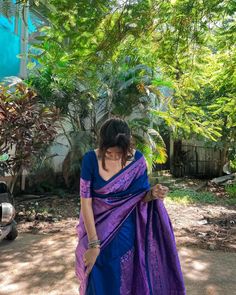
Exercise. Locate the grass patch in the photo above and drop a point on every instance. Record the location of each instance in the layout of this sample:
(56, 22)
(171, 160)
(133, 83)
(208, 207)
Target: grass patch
(188, 196)
(231, 190)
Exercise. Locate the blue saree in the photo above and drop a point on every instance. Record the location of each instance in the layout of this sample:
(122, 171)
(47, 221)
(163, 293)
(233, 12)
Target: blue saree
(138, 253)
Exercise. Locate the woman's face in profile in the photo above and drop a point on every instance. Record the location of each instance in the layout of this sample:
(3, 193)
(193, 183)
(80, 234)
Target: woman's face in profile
(114, 153)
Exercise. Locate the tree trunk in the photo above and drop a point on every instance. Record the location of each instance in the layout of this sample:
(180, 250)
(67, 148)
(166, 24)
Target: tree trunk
(14, 180)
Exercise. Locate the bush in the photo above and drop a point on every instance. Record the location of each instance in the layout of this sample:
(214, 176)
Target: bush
(26, 128)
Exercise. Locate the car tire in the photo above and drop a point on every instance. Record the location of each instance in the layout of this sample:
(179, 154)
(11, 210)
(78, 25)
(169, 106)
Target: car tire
(13, 233)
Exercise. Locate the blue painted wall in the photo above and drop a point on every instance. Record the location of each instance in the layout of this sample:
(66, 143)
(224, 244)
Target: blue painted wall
(9, 48)
(10, 44)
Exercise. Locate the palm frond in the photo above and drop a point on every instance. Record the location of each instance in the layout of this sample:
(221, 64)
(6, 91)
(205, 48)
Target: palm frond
(149, 141)
(158, 146)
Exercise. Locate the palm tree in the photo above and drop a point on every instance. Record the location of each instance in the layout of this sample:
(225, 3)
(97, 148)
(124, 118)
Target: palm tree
(129, 94)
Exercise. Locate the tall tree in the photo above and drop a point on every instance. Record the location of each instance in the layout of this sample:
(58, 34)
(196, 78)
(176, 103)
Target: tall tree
(178, 39)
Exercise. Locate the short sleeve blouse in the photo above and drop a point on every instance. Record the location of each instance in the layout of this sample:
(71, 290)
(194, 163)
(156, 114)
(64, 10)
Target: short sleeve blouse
(86, 176)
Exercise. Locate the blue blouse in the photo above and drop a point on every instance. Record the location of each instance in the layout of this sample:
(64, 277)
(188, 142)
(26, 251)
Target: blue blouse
(90, 179)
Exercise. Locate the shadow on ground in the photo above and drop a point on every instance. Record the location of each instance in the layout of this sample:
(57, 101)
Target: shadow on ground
(208, 272)
(38, 265)
(44, 265)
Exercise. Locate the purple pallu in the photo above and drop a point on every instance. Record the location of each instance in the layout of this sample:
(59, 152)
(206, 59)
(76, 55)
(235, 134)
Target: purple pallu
(151, 265)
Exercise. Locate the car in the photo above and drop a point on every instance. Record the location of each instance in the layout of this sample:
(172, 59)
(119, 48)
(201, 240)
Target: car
(8, 226)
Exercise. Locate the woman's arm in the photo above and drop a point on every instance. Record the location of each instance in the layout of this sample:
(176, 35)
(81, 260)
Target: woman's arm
(88, 217)
(91, 254)
(93, 248)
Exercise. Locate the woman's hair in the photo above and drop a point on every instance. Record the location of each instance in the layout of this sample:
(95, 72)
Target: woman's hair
(115, 132)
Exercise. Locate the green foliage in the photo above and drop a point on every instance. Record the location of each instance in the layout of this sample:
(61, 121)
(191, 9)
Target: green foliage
(188, 196)
(233, 162)
(231, 190)
(185, 119)
(148, 141)
(119, 85)
(130, 95)
(106, 58)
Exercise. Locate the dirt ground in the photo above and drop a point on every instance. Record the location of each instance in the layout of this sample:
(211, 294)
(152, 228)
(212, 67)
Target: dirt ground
(205, 226)
(43, 264)
(41, 260)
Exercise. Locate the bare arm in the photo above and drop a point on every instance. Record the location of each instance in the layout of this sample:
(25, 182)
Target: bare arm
(91, 254)
(93, 249)
(88, 217)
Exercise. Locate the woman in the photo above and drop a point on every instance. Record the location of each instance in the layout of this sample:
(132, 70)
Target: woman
(126, 242)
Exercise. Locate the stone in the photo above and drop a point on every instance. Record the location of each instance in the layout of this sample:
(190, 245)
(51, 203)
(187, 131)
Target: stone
(222, 179)
(31, 217)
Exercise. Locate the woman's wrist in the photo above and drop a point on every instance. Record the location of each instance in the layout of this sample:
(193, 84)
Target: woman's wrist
(92, 238)
(94, 244)
(148, 196)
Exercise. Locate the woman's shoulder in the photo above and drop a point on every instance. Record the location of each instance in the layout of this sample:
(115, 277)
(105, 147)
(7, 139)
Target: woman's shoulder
(138, 154)
(89, 155)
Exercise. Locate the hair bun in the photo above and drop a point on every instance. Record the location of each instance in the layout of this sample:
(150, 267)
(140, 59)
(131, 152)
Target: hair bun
(122, 140)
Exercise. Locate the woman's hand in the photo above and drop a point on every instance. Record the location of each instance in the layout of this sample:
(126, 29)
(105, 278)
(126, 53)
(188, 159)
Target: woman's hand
(159, 192)
(89, 258)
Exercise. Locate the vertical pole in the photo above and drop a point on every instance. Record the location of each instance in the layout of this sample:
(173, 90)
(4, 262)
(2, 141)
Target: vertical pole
(16, 21)
(24, 40)
(23, 178)
(171, 153)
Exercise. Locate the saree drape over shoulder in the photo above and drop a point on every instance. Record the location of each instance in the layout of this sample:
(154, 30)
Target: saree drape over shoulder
(138, 252)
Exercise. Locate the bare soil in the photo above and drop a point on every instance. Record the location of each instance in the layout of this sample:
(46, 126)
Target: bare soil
(41, 260)
(43, 264)
(205, 226)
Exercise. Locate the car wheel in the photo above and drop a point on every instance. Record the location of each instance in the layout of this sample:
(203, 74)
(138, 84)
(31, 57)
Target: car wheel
(13, 233)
